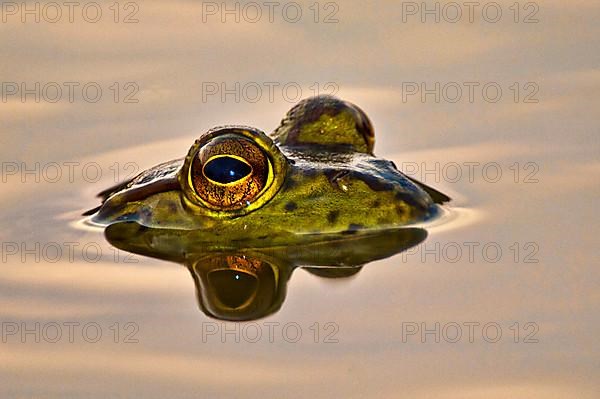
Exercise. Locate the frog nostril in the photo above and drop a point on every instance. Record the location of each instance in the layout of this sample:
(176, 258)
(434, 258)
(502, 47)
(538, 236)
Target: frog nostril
(338, 178)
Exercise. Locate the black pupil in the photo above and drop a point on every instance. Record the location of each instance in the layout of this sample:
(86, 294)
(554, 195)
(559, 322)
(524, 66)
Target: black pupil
(226, 169)
(232, 287)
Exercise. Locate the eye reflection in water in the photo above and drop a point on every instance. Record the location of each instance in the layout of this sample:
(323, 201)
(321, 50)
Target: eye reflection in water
(241, 284)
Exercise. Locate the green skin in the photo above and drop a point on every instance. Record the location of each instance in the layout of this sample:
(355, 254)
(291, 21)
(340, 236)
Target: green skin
(326, 182)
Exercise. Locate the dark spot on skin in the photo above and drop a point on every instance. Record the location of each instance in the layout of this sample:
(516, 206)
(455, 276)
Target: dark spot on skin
(172, 207)
(310, 172)
(291, 206)
(290, 183)
(292, 162)
(376, 204)
(332, 216)
(353, 228)
(399, 211)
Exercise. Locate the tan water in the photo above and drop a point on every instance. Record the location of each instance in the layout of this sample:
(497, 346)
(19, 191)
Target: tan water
(501, 299)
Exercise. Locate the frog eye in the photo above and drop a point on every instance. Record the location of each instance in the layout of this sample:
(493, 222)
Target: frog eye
(229, 172)
(226, 169)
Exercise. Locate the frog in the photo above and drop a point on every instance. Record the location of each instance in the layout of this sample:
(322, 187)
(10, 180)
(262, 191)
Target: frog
(315, 176)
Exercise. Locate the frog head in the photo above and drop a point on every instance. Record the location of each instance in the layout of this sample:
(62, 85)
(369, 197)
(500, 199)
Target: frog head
(315, 175)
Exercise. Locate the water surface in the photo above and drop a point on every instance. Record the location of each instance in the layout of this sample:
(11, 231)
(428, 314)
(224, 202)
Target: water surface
(540, 291)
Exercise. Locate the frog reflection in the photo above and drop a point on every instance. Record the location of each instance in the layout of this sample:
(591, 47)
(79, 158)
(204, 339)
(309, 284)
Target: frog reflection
(249, 283)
